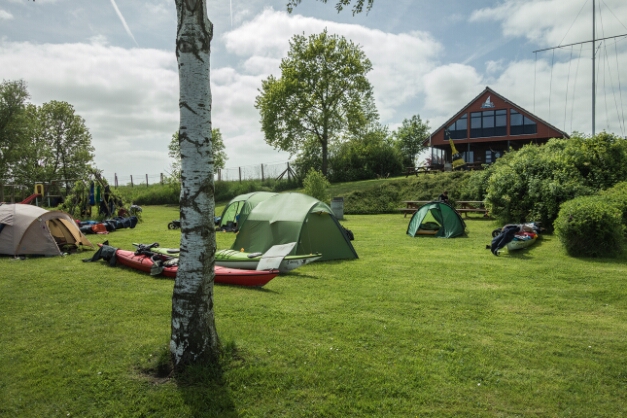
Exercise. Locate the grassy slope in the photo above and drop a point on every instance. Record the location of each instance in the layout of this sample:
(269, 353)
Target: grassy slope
(416, 327)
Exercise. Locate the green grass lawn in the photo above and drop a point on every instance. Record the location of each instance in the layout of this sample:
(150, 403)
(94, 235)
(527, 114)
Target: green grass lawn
(416, 327)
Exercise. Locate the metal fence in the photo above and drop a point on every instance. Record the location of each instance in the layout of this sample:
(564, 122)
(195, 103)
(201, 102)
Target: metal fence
(263, 171)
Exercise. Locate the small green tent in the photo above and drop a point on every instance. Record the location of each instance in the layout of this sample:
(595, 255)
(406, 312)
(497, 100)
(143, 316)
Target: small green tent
(294, 217)
(436, 219)
(240, 206)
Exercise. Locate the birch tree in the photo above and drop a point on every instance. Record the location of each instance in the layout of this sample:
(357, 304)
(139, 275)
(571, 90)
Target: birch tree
(194, 337)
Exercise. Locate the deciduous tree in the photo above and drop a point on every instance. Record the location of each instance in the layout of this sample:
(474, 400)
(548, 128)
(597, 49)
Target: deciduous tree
(68, 142)
(411, 136)
(219, 153)
(13, 97)
(323, 93)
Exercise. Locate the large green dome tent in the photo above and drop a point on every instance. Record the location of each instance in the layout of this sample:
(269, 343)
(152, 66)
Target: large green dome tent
(436, 219)
(294, 217)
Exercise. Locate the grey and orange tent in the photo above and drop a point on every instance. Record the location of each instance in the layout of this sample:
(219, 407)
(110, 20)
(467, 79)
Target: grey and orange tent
(30, 230)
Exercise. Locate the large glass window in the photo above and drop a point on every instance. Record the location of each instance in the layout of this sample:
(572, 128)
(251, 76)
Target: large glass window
(457, 129)
(488, 123)
(521, 124)
(500, 125)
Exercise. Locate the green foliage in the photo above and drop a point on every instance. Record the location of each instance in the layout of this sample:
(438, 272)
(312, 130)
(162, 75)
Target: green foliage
(364, 197)
(14, 124)
(174, 152)
(170, 192)
(316, 185)
(588, 226)
(475, 186)
(77, 203)
(41, 143)
(385, 196)
(532, 183)
(357, 8)
(600, 160)
(367, 156)
(322, 95)
(410, 137)
(382, 198)
(617, 197)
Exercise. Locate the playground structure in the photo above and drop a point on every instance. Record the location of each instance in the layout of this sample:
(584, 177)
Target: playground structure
(18, 194)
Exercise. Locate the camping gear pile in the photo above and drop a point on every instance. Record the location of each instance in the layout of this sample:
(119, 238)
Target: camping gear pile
(108, 225)
(436, 219)
(30, 230)
(514, 237)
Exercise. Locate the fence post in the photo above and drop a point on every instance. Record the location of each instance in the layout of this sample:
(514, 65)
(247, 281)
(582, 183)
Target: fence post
(115, 179)
(262, 179)
(131, 180)
(146, 179)
(240, 174)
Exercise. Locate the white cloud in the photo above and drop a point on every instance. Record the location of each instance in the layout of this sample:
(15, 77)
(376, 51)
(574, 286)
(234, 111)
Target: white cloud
(399, 60)
(450, 87)
(127, 97)
(555, 22)
(4, 15)
(494, 66)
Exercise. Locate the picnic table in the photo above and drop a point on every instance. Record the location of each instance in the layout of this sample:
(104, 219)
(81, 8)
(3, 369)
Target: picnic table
(424, 169)
(471, 206)
(462, 206)
(412, 206)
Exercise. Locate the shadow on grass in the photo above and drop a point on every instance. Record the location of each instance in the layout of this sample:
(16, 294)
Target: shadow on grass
(202, 387)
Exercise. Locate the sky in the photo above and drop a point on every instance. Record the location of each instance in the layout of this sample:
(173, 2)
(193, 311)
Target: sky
(114, 61)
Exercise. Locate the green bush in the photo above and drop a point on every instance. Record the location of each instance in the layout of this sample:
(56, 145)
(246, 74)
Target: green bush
(383, 198)
(617, 196)
(588, 226)
(316, 185)
(532, 183)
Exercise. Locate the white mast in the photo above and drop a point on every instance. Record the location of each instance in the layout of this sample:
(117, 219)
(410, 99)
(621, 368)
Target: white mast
(594, 52)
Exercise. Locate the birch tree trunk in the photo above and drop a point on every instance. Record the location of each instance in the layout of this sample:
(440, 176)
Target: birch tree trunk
(194, 336)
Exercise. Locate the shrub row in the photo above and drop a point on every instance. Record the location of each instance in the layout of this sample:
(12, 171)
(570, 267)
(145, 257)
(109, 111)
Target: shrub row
(530, 184)
(169, 193)
(594, 226)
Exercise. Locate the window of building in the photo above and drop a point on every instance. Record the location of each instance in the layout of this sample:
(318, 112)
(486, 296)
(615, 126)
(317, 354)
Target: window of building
(488, 123)
(491, 156)
(521, 124)
(457, 129)
(468, 156)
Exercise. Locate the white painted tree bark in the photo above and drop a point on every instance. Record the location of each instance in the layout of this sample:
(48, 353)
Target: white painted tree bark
(194, 337)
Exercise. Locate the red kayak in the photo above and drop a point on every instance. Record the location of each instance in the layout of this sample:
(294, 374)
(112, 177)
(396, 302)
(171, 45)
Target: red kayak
(223, 275)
